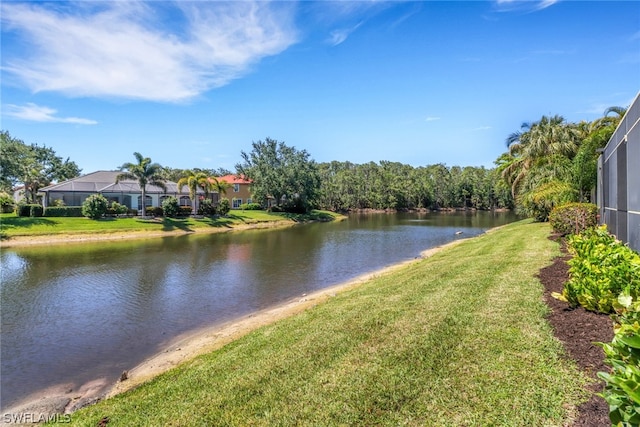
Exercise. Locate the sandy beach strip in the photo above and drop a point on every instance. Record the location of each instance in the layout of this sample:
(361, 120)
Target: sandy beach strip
(63, 239)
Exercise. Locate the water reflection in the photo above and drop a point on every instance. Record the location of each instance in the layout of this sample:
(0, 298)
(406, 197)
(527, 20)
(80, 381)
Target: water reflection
(74, 313)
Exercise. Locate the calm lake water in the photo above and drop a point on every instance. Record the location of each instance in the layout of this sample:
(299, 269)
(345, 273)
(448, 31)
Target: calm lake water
(74, 313)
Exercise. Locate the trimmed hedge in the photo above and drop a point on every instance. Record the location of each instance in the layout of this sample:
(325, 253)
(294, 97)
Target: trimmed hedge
(573, 218)
(185, 211)
(251, 207)
(37, 210)
(31, 210)
(155, 211)
(63, 211)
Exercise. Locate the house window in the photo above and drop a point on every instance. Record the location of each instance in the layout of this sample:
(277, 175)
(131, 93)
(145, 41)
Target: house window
(237, 203)
(185, 201)
(249, 201)
(148, 202)
(236, 188)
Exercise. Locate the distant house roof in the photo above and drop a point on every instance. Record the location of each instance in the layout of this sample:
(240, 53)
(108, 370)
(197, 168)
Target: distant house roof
(105, 181)
(235, 179)
(89, 183)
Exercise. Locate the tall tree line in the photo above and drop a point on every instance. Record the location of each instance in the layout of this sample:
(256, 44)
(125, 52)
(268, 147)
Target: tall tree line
(392, 185)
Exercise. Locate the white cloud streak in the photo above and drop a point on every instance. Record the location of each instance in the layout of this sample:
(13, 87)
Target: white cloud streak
(533, 5)
(124, 49)
(37, 113)
(337, 37)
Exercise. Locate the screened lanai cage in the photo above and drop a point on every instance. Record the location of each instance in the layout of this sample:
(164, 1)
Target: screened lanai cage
(619, 179)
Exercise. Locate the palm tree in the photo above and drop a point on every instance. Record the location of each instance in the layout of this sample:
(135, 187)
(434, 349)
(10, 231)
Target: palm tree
(146, 173)
(218, 186)
(607, 119)
(538, 144)
(193, 181)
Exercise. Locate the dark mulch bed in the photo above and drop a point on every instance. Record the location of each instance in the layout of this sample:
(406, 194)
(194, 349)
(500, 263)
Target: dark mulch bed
(578, 329)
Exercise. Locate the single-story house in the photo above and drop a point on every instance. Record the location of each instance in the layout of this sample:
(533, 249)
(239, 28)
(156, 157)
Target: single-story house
(128, 192)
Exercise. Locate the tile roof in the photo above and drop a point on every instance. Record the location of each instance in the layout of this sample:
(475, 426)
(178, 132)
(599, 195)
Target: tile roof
(234, 179)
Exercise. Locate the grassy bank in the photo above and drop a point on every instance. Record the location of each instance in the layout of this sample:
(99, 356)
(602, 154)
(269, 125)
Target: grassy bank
(456, 339)
(12, 226)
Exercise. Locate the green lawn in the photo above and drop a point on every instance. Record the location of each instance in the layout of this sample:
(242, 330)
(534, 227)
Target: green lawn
(14, 226)
(458, 339)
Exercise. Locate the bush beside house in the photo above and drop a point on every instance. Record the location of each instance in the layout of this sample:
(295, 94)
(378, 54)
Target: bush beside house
(31, 210)
(573, 218)
(95, 206)
(605, 277)
(63, 211)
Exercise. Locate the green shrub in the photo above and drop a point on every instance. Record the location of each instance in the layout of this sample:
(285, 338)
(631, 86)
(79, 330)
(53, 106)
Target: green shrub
(63, 211)
(573, 218)
(539, 202)
(155, 211)
(224, 206)
(132, 212)
(32, 210)
(171, 207)
(118, 208)
(251, 207)
(7, 204)
(185, 211)
(601, 269)
(622, 384)
(23, 209)
(206, 208)
(297, 206)
(95, 206)
(36, 211)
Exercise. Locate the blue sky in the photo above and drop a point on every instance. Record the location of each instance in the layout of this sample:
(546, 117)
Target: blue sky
(191, 84)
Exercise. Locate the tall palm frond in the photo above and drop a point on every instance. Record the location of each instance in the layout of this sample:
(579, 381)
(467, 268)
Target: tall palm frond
(193, 181)
(608, 119)
(218, 186)
(145, 172)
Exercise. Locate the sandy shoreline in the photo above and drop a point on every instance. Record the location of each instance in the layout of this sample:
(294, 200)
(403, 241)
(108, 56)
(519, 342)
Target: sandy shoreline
(63, 400)
(63, 239)
(193, 344)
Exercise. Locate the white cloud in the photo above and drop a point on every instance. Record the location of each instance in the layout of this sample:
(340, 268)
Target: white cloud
(339, 36)
(432, 119)
(169, 52)
(545, 4)
(534, 5)
(37, 113)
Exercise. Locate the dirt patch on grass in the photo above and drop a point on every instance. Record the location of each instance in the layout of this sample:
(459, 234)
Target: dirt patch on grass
(578, 329)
